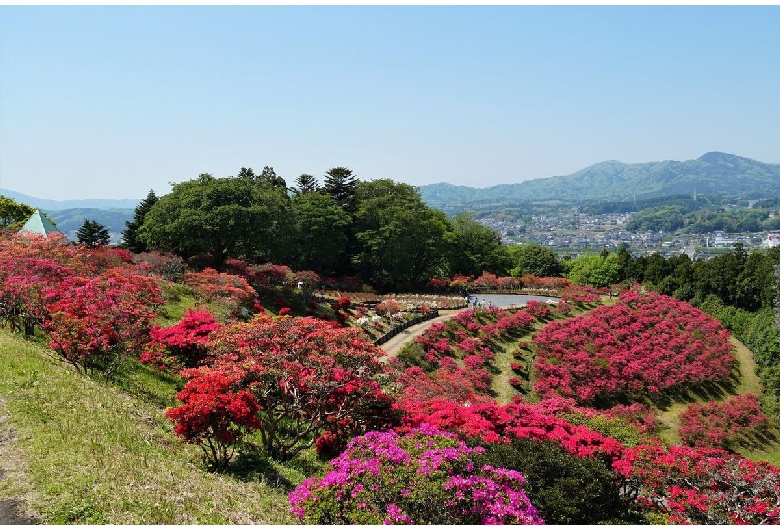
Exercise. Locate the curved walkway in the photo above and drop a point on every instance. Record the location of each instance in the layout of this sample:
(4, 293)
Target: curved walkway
(394, 345)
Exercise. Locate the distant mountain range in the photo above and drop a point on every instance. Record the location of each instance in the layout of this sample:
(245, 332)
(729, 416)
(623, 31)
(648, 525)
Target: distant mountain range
(712, 173)
(69, 215)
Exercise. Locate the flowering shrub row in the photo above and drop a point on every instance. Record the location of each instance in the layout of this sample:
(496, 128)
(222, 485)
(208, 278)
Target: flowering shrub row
(489, 281)
(715, 424)
(641, 346)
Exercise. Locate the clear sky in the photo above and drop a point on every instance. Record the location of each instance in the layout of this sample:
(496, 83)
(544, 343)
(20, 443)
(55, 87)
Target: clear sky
(110, 102)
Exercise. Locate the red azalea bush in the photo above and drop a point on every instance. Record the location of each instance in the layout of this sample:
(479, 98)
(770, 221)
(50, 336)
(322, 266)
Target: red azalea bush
(183, 345)
(306, 376)
(95, 323)
(714, 424)
(271, 275)
(211, 285)
(701, 486)
(639, 347)
(23, 282)
(217, 412)
(491, 422)
(165, 265)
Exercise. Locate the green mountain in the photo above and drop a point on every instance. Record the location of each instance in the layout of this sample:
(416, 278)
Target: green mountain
(71, 219)
(711, 174)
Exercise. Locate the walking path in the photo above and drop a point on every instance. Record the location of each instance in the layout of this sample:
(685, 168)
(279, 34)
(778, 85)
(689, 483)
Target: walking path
(394, 345)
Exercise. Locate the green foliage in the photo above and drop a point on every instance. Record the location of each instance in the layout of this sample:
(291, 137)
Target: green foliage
(565, 489)
(13, 214)
(476, 248)
(238, 217)
(401, 242)
(594, 270)
(130, 239)
(535, 260)
(616, 428)
(92, 234)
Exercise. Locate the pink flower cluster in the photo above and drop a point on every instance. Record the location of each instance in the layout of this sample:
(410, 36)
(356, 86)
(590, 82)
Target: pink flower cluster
(425, 476)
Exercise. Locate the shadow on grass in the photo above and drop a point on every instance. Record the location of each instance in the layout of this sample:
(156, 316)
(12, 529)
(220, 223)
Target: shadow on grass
(251, 466)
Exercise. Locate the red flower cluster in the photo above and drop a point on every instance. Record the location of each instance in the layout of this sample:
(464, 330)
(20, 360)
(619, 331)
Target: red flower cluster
(715, 424)
(702, 486)
(641, 346)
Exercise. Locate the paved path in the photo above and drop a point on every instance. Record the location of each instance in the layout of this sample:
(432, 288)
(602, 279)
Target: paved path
(396, 343)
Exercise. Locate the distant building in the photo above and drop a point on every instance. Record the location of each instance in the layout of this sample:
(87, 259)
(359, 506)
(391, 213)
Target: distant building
(38, 224)
(772, 240)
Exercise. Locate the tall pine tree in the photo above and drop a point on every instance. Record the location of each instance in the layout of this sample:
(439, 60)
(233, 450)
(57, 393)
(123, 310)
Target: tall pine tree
(340, 184)
(130, 239)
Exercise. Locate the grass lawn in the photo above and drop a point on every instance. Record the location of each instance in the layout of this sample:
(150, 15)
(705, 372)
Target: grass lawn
(79, 450)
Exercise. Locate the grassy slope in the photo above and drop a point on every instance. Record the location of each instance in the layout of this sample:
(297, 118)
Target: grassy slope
(77, 450)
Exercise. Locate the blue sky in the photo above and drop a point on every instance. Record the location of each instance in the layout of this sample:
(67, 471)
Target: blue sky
(110, 102)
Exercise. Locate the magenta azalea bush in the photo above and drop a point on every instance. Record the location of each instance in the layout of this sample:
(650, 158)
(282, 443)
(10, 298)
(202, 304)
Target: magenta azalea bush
(423, 477)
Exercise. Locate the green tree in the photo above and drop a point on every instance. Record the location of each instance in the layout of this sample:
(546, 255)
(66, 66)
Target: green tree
(593, 270)
(401, 243)
(321, 233)
(92, 234)
(237, 217)
(130, 239)
(306, 184)
(13, 214)
(340, 183)
(476, 248)
(535, 260)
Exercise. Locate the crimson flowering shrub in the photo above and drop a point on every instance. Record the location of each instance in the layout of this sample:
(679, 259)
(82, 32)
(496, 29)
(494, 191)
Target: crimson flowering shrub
(639, 347)
(217, 412)
(183, 345)
(491, 422)
(310, 279)
(579, 295)
(426, 476)
(716, 424)
(702, 485)
(271, 275)
(23, 281)
(388, 307)
(306, 376)
(211, 285)
(94, 323)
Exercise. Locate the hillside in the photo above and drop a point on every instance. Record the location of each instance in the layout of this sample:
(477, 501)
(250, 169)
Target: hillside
(712, 173)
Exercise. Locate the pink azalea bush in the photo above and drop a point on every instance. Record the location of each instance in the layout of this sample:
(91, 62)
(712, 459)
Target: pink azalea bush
(426, 476)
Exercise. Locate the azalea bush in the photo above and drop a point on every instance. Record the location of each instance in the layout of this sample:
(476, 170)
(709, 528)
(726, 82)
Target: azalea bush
(714, 424)
(490, 422)
(305, 376)
(183, 345)
(425, 476)
(216, 414)
(95, 323)
(640, 347)
(701, 485)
